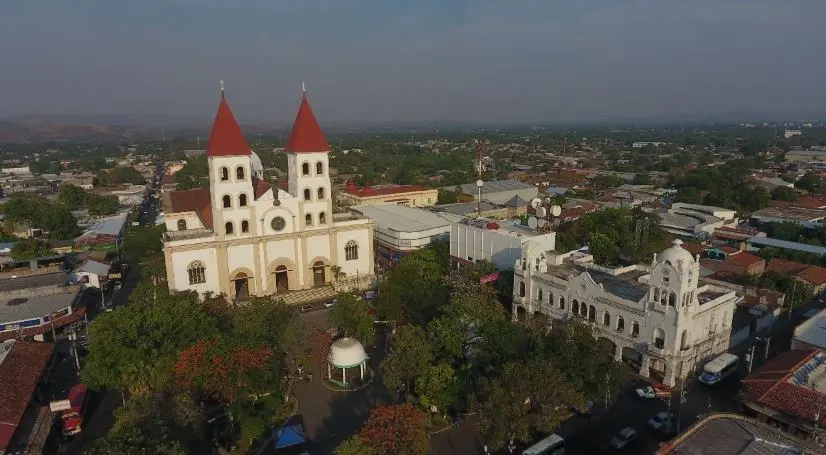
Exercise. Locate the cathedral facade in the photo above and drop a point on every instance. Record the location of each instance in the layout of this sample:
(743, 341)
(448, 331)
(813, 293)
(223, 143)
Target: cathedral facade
(244, 237)
(658, 317)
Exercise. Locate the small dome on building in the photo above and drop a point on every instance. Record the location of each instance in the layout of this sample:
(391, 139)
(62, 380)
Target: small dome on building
(346, 352)
(256, 167)
(675, 254)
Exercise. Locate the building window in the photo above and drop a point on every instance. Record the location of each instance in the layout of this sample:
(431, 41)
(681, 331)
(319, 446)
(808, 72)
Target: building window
(620, 324)
(242, 200)
(228, 227)
(319, 168)
(305, 169)
(539, 295)
(197, 272)
(239, 173)
(181, 225)
(321, 194)
(308, 219)
(521, 289)
(278, 223)
(307, 194)
(659, 338)
(245, 226)
(672, 299)
(224, 174)
(322, 218)
(227, 202)
(351, 250)
(430, 200)
(592, 314)
(606, 319)
(635, 329)
(575, 307)
(684, 341)
(562, 303)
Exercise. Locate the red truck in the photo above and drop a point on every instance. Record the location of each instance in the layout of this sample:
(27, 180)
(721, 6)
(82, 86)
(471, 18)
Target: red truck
(72, 410)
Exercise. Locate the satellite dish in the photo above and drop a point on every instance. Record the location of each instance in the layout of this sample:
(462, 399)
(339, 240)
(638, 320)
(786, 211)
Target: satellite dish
(480, 183)
(536, 202)
(541, 223)
(556, 210)
(541, 212)
(532, 223)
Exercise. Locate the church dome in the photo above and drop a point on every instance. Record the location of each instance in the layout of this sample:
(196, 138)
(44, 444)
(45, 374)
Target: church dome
(346, 353)
(256, 167)
(675, 254)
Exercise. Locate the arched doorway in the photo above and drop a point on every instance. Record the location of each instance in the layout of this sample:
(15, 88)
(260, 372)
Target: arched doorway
(318, 274)
(241, 284)
(608, 346)
(282, 279)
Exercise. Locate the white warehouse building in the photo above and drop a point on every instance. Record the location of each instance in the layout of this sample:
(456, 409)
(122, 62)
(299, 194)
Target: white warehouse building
(653, 316)
(497, 242)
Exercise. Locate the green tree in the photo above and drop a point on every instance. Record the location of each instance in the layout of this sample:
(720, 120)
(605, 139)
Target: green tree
(409, 357)
(121, 175)
(142, 242)
(73, 197)
(604, 248)
(438, 386)
(30, 249)
(102, 205)
(783, 193)
(136, 347)
(446, 197)
(413, 289)
(527, 398)
(352, 315)
(353, 446)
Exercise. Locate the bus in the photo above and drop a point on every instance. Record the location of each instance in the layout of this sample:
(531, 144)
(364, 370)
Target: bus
(720, 368)
(552, 445)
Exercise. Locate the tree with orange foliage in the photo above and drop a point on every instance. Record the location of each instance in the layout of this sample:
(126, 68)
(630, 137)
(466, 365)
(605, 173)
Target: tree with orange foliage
(396, 429)
(224, 371)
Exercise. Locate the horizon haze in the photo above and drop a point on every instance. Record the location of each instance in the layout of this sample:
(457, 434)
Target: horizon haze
(370, 61)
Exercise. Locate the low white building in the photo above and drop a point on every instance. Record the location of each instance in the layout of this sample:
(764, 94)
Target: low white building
(498, 242)
(653, 316)
(399, 229)
(694, 220)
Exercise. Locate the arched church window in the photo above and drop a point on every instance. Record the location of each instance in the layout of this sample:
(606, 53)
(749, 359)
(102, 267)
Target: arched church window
(322, 218)
(227, 201)
(229, 228)
(684, 340)
(321, 194)
(672, 299)
(620, 324)
(245, 226)
(606, 318)
(308, 219)
(561, 303)
(521, 289)
(575, 307)
(196, 272)
(239, 173)
(351, 253)
(635, 329)
(539, 295)
(181, 225)
(308, 195)
(319, 168)
(224, 174)
(242, 200)
(659, 338)
(305, 169)
(592, 314)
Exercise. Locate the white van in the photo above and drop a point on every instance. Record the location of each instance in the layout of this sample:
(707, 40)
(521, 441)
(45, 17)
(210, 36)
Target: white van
(552, 445)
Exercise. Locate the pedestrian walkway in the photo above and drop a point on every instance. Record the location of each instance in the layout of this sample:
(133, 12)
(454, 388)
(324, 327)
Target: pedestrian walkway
(307, 295)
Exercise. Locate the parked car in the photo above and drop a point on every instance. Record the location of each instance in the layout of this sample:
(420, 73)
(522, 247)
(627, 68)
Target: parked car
(330, 303)
(655, 391)
(625, 436)
(660, 421)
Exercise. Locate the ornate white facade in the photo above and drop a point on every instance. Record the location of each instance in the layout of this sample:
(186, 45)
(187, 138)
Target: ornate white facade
(655, 316)
(243, 237)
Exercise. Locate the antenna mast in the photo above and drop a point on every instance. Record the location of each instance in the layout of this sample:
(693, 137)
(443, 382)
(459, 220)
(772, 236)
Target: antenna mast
(481, 148)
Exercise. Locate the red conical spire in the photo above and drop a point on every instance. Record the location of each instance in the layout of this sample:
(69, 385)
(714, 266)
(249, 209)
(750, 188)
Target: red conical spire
(226, 138)
(306, 136)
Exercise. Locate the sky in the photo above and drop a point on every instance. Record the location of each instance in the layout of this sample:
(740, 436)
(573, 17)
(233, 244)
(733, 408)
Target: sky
(412, 61)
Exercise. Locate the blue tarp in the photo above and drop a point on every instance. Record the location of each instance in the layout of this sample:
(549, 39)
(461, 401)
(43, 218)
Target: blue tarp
(288, 436)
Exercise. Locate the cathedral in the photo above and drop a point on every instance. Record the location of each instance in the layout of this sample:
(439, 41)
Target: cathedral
(245, 237)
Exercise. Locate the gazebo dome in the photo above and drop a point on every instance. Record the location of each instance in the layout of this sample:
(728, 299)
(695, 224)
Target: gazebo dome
(675, 254)
(346, 352)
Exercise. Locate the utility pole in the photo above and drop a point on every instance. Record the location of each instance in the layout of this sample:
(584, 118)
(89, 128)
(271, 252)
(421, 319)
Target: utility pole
(791, 300)
(751, 354)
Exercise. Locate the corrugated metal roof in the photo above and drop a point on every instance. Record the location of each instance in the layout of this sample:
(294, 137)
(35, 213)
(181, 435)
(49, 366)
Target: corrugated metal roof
(813, 331)
(785, 244)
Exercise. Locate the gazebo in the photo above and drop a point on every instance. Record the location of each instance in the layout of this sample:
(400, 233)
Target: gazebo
(346, 353)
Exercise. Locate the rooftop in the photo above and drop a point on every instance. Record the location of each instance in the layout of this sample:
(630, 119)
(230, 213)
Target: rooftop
(24, 308)
(466, 208)
(725, 434)
(494, 186)
(383, 190)
(790, 213)
(403, 219)
(624, 285)
(785, 244)
(20, 370)
(31, 281)
(813, 330)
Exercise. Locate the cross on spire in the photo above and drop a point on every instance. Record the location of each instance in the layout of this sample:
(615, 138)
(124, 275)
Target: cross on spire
(222, 86)
(303, 87)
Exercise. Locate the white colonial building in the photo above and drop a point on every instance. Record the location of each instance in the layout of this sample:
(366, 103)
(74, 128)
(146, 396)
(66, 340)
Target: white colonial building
(244, 237)
(657, 317)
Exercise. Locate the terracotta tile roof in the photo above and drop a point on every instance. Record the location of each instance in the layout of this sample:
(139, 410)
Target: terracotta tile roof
(306, 136)
(693, 248)
(814, 275)
(196, 200)
(743, 258)
(226, 138)
(785, 267)
(20, 372)
(771, 386)
(383, 190)
(810, 202)
(260, 188)
(728, 249)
